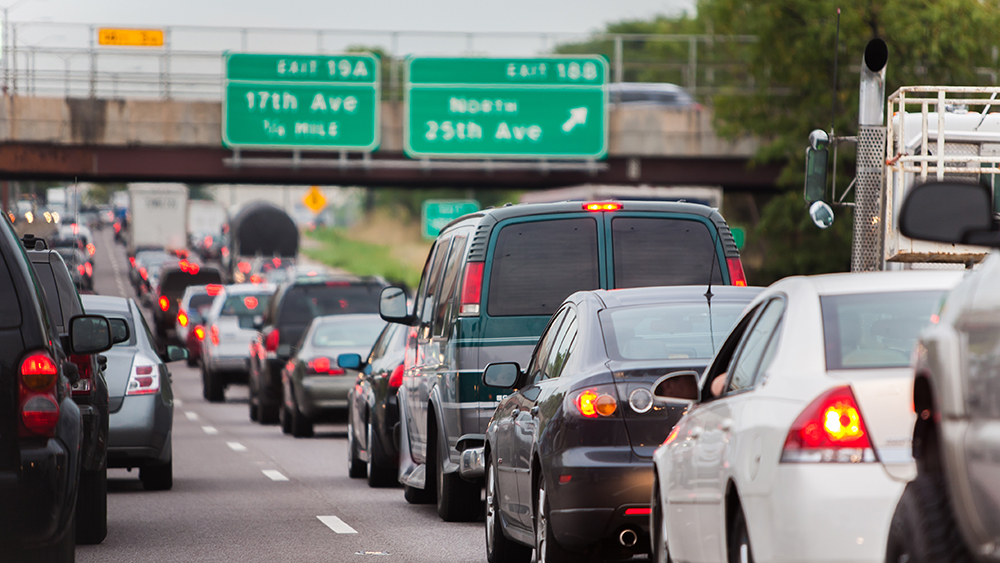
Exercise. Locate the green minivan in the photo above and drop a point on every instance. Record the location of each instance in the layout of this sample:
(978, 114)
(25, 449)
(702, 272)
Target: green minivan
(491, 282)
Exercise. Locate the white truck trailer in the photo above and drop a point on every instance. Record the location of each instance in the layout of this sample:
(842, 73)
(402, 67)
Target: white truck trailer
(157, 216)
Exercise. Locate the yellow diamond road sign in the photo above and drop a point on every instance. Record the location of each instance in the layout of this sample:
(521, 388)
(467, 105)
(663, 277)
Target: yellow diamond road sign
(314, 200)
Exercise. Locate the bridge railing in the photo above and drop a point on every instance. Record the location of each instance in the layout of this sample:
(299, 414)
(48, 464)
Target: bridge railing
(53, 59)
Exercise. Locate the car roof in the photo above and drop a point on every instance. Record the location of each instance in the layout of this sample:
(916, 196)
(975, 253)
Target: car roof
(346, 318)
(105, 303)
(875, 282)
(249, 288)
(681, 293)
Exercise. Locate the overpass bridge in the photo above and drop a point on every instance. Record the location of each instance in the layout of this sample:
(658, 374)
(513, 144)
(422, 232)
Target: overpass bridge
(134, 114)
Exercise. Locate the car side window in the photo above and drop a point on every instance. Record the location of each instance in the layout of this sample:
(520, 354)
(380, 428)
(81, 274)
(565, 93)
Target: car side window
(150, 340)
(755, 348)
(433, 277)
(446, 296)
(564, 345)
(726, 353)
(538, 360)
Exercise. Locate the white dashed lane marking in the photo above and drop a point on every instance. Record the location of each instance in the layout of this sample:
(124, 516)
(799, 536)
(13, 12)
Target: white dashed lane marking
(236, 446)
(275, 475)
(178, 402)
(337, 525)
(191, 415)
(210, 430)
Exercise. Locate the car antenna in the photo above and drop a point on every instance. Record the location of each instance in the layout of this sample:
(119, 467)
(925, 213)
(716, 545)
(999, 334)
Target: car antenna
(708, 292)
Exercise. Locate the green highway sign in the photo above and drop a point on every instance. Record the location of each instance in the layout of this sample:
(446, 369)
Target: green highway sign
(544, 107)
(320, 102)
(436, 213)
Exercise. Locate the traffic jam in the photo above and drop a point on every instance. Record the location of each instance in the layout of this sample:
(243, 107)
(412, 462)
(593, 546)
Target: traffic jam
(590, 379)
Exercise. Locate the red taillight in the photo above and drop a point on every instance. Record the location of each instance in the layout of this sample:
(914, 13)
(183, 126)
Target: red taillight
(208, 242)
(736, 275)
(183, 265)
(602, 206)
(213, 289)
(472, 289)
(323, 366)
(250, 301)
(638, 511)
(396, 379)
(143, 273)
(193, 268)
(40, 413)
(592, 403)
(89, 268)
(38, 364)
(255, 279)
(830, 429)
(276, 261)
(84, 367)
(271, 340)
(81, 269)
(164, 303)
(225, 251)
(182, 318)
(672, 436)
(199, 332)
(215, 335)
(244, 267)
(91, 249)
(39, 409)
(144, 379)
(118, 227)
(131, 260)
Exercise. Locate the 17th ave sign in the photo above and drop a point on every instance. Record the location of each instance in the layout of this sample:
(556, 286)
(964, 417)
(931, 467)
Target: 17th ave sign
(328, 102)
(546, 107)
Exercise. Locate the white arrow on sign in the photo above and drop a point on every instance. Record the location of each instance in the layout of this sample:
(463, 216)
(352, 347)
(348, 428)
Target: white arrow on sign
(577, 116)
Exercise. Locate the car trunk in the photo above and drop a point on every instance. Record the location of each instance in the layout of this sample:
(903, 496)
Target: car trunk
(117, 373)
(646, 431)
(885, 397)
(233, 340)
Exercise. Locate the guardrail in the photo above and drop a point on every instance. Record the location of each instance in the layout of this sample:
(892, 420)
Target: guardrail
(53, 59)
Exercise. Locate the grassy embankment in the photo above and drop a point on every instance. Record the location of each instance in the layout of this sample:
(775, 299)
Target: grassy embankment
(379, 245)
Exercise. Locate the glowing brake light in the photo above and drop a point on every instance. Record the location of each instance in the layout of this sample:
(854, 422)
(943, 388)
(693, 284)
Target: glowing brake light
(81, 269)
(199, 332)
(638, 511)
(255, 279)
(164, 303)
(591, 403)
(91, 249)
(182, 317)
(736, 275)
(89, 269)
(472, 289)
(213, 289)
(250, 301)
(38, 371)
(830, 430)
(244, 267)
(144, 273)
(215, 335)
(131, 260)
(271, 340)
(602, 206)
(323, 366)
(396, 379)
(208, 242)
(672, 436)
(37, 395)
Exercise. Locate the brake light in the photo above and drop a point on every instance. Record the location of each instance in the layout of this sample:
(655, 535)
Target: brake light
(85, 368)
(118, 227)
(472, 289)
(396, 379)
(182, 318)
(592, 403)
(199, 332)
(143, 273)
(81, 269)
(638, 511)
(602, 206)
(213, 289)
(37, 396)
(131, 260)
(91, 249)
(208, 242)
(255, 279)
(215, 335)
(164, 303)
(89, 268)
(736, 275)
(830, 429)
(271, 340)
(244, 267)
(144, 379)
(323, 366)
(672, 436)
(193, 268)
(225, 251)
(250, 301)
(276, 261)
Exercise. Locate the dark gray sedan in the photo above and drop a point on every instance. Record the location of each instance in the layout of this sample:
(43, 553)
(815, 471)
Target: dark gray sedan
(141, 399)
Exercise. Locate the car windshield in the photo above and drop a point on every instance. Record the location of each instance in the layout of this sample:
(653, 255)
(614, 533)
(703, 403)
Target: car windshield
(875, 330)
(247, 305)
(674, 331)
(355, 333)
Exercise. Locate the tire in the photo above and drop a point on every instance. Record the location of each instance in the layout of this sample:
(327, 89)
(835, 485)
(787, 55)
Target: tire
(92, 507)
(285, 419)
(254, 409)
(657, 529)
(499, 549)
(923, 528)
(356, 468)
(214, 388)
(157, 477)
(302, 427)
(380, 474)
(547, 549)
(458, 500)
(738, 540)
(62, 551)
(192, 361)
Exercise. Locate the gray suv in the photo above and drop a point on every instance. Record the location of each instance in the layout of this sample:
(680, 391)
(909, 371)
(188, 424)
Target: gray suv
(951, 510)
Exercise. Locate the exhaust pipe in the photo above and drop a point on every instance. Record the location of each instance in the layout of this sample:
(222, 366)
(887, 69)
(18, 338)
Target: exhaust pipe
(628, 538)
(871, 103)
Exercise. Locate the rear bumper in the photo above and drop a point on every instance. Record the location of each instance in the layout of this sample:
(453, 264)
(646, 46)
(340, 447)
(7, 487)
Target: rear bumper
(323, 395)
(139, 430)
(228, 363)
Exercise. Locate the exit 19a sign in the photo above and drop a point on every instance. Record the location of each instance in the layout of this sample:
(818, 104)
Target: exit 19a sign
(327, 102)
(546, 107)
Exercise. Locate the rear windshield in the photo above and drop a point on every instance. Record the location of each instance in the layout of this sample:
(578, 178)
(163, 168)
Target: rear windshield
(875, 330)
(245, 305)
(360, 333)
(174, 283)
(303, 303)
(539, 264)
(677, 331)
(653, 251)
(45, 275)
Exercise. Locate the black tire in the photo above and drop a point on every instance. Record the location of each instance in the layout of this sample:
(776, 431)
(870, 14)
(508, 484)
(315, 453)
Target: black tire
(499, 549)
(302, 427)
(254, 410)
(547, 549)
(356, 468)
(268, 414)
(192, 361)
(657, 532)
(380, 473)
(62, 551)
(285, 419)
(923, 528)
(92, 507)
(458, 500)
(157, 477)
(414, 495)
(214, 388)
(738, 539)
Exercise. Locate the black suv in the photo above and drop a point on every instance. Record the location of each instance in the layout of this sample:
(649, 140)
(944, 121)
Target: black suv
(40, 425)
(294, 305)
(90, 393)
(168, 292)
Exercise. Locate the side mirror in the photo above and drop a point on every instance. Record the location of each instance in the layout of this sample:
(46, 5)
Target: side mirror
(950, 212)
(89, 334)
(392, 306)
(505, 375)
(349, 361)
(119, 331)
(678, 388)
(817, 157)
(821, 214)
(174, 354)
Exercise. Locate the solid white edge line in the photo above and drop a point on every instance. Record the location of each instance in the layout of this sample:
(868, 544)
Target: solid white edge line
(337, 525)
(210, 430)
(236, 446)
(274, 474)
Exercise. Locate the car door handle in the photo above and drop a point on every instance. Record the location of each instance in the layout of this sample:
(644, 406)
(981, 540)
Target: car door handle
(534, 410)
(726, 425)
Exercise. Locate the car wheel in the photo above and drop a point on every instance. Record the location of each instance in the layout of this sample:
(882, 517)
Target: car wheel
(380, 474)
(92, 507)
(738, 546)
(414, 495)
(285, 418)
(658, 528)
(458, 500)
(547, 549)
(302, 427)
(157, 477)
(214, 388)
(923, 527)
(355, 467)
(252, 400)
(499, 549)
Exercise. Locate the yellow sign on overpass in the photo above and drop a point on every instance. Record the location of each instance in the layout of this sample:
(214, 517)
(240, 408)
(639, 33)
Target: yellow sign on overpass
(130, 37)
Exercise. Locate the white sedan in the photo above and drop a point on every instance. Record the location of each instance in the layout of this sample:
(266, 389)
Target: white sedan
(801, 448)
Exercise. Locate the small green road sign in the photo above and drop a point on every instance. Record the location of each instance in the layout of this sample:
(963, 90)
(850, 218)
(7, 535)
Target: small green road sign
(546, 107)
(328, 102)
(739, 236)
(436, 213)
